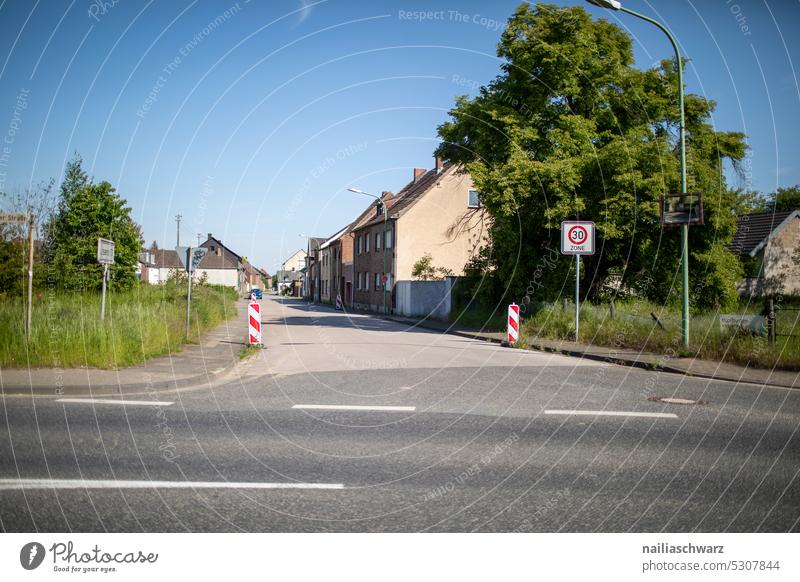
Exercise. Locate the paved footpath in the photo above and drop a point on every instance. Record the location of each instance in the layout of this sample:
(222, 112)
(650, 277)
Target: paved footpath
(194, 365)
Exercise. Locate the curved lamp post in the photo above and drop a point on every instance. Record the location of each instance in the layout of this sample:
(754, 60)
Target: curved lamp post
(615, 5)
(383, 237)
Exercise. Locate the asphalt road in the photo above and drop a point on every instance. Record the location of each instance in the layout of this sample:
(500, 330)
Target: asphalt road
(476, 438)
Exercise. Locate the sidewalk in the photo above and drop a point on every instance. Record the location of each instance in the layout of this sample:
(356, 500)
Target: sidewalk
(195, 364)
(628, 357)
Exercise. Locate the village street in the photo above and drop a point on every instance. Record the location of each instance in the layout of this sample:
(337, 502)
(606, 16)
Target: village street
(353, 423)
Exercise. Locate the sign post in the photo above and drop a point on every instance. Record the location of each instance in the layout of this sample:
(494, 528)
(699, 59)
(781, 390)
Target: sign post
(23, 218)
(105, 256)
(577, 238)
(190, 258)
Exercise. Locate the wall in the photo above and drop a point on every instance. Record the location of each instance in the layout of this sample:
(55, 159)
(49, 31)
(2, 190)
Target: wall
(441, 224)
(781, 274)
(430, 299)
(227, 277)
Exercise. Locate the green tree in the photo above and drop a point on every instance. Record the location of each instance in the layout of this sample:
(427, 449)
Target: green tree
(570, 129)
(85, 213)
(784, 199)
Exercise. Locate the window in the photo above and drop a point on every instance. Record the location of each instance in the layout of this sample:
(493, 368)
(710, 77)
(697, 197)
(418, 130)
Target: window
(358, 282)
(359, 247)
(377, 241)
(377, 281)
(366, 281)
(388, 239)
(474, 200)
(366, 242)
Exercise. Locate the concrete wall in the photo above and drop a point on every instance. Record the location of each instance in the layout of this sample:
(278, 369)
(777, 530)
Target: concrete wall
(425, 298)
(780, 272)
(227, 277)
(442, 225)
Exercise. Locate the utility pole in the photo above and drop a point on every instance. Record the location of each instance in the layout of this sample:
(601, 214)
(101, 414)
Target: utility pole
(178, 218)
(199, 238)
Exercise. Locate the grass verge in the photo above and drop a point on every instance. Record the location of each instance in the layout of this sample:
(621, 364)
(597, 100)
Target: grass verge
(634, 328)
(144, 322)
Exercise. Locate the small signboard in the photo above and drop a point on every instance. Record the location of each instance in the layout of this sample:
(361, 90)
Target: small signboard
(14, 218)
(197, 256)
(755, 324)
(681, 208)
(577, 237)
(105, 251)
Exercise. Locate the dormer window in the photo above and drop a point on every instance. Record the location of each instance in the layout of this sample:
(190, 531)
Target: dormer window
(379, 210)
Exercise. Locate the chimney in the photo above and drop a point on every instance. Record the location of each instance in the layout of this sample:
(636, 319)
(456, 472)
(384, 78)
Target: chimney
(385, 194)
(418, 172)
(209, 236)
(439, 164)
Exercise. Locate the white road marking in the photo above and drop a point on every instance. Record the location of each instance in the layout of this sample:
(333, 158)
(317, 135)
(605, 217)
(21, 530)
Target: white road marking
(612, 413)
(112, 484)
(353, 407)
(110, 401)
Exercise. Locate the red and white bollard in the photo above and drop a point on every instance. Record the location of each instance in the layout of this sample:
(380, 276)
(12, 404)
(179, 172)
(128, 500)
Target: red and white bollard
(513, 323)
(254, 317)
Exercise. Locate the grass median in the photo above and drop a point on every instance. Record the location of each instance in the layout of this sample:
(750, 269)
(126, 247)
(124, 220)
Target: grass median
(144, 322)
(633, 327)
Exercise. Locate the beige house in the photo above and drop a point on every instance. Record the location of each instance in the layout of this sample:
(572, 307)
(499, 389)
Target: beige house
(438, 213)
(768, 243)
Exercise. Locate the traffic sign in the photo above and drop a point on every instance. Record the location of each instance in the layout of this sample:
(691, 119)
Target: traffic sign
(14, 218)
(197, 256)
(254, 322)
(577, 238)
(105, 251)
(513, 323)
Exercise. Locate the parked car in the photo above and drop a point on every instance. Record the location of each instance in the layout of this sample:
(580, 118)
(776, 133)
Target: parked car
(256, 292)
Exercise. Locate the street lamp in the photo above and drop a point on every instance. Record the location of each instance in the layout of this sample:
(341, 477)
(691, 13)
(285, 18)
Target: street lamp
(615, 5)
(383, 238)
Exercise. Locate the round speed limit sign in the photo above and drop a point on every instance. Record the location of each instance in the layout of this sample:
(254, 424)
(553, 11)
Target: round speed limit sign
(577, 238)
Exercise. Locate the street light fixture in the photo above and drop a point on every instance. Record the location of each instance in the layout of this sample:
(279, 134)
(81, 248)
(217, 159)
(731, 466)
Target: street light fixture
(384, 278)
(615, 5)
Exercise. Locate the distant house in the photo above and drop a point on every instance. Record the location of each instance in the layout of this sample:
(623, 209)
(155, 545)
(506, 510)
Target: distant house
(311, 275)
(769, 246)
(290, 275)
(166, 261)
(330, 268)
(146, 267)
(222, 266)
(438, 213)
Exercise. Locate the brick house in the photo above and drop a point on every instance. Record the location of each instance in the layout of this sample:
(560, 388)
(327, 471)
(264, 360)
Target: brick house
(330, 268)
(437, 213)
(768, 244)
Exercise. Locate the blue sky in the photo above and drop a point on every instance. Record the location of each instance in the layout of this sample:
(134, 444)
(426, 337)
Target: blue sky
(252, 118)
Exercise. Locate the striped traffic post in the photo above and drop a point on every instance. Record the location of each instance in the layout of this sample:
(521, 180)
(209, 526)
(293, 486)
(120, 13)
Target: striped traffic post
(513, 323)
(254, 317)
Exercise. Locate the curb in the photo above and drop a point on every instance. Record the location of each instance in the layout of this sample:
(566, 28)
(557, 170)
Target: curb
(649, 366)
(118, 389)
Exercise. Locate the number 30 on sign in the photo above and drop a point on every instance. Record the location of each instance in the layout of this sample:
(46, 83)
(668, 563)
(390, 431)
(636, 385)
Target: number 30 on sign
(577, 238)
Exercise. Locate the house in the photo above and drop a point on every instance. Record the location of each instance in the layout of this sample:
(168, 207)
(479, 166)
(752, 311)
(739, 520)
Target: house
(166, 264)
(768, 243)
(146, 267)
(221, 266)
(330, 268)
(311, 280)
(438, 213)
(291, 273)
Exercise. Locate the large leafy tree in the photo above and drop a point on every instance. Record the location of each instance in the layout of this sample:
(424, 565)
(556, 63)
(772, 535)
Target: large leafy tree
(571, 129)
(86, 212)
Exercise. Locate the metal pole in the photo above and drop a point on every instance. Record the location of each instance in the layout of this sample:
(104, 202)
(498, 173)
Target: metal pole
(103, 299)
(383, 242)
(682, 136)
(577, 295)
(188, 288)
(30, 279)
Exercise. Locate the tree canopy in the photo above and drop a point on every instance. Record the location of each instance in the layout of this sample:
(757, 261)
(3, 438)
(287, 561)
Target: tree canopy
(86, 212)
(570, 129)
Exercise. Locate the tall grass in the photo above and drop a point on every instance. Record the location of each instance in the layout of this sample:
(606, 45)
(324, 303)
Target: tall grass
(147, 321)
(634, 328)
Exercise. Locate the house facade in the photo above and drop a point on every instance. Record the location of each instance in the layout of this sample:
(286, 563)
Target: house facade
(330, 268)
(438, 213)
(768, 243)
(290, 275)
